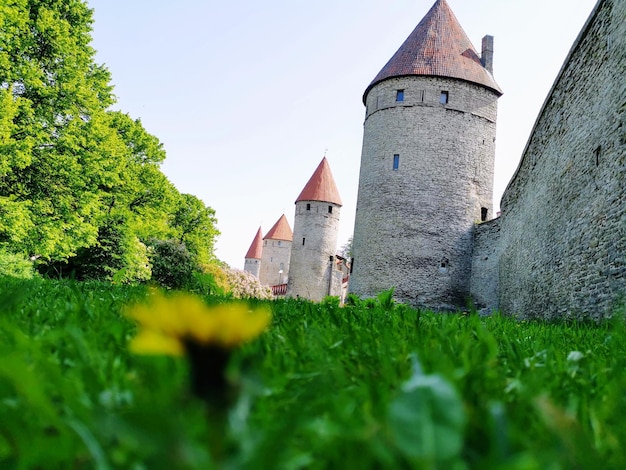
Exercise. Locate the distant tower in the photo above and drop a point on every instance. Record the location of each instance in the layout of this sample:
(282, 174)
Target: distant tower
(316, 225)
(426, 166)
(254, 255)
(276, 253)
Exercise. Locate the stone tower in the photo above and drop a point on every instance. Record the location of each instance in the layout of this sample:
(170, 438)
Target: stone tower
(254, 255)
(315, 228)
(276, 252)
(426, 166)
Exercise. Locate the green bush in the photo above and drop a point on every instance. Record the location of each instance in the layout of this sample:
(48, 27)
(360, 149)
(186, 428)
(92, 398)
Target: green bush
(15, 265)
(173, 265)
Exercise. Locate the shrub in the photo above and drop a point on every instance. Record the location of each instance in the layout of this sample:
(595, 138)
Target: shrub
(117, 255)
(136, 264)
(172, 264)
(15, 265)
(244, 285)
(210, 280)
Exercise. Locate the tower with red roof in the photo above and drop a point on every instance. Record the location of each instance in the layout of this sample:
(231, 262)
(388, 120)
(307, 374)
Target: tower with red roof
(312, 271)
(253, 258)
(426, 175)
(276, 254)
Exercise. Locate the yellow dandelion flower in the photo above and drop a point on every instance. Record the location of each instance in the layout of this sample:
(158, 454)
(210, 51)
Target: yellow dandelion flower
(169, 324)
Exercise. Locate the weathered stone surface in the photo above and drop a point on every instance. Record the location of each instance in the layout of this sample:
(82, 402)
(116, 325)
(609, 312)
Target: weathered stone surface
(312, 264)
(275, 262)
(253, 266)
(563, 227)
(413, 227)
(485, 263)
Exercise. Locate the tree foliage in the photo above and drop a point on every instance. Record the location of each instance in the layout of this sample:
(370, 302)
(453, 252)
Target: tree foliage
(55, 97)
(172, 264)
(80, 185)
(195, 227)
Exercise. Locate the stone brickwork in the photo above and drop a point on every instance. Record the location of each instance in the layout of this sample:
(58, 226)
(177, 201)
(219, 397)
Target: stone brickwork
(276, 255)
(253, 266)
(485, 262)
(413, 227)
(316, 225)
(563, 227)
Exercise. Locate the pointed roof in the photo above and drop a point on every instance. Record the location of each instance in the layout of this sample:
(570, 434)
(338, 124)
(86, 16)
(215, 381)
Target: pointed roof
(256, 249)
(438, 46)
(280, 231)
(321, 186)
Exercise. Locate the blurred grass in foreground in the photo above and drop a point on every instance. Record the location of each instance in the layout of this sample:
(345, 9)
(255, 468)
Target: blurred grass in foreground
(369, 385)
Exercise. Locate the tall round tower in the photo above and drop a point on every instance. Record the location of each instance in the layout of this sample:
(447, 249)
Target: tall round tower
(252, 262)
(426, 166)
(276, 252)
(316, 225)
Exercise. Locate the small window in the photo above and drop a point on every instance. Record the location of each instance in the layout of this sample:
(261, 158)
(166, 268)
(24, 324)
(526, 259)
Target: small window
(420, 96)
(303, 240)
(444, 265)
(308, 207)
(278, 242)
(396, 161)
(483, 213)
(399, 95)
(443, 99)
(330, 209)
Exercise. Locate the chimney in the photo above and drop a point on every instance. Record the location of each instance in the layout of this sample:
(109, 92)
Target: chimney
(487, 53)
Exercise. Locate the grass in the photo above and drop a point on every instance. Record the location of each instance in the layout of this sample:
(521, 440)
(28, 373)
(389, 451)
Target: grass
(371, 385)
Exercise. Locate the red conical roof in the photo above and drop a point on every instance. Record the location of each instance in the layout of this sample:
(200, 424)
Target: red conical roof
(321, 186)
(256, 249)
(280, 231)
(438, 46)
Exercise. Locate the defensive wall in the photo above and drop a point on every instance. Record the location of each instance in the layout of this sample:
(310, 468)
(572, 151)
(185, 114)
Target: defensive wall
(561, 242)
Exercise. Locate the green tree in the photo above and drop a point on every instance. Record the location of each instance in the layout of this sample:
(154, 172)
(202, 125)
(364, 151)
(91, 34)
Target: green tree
(143, 194)
(195, 226)
(53, 98)
(81, 189)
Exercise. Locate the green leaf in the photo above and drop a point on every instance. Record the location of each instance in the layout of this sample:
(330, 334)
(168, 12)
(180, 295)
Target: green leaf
(426, 419)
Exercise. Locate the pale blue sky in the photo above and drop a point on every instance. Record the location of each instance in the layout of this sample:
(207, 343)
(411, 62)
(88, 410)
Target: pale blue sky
(246, 96)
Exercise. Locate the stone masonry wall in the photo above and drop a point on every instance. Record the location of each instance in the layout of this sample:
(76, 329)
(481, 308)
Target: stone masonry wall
(413, 227)
(485, 260)
(563, 227)
(276, 254)
(253, 266)
(314, 242)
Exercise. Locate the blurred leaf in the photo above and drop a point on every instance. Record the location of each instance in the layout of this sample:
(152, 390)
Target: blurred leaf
(426, 420)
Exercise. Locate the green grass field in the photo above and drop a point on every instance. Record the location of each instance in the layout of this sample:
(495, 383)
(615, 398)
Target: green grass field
(371, 385)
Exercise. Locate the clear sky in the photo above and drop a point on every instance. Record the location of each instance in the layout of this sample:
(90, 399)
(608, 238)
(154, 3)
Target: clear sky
(247, 96)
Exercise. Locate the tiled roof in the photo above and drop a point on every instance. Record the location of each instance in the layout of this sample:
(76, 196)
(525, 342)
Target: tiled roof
(256, 249)
(321, 186)
(280, 231)
(438, 46)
